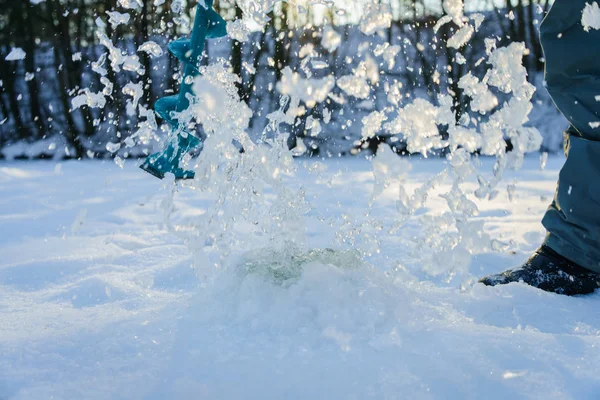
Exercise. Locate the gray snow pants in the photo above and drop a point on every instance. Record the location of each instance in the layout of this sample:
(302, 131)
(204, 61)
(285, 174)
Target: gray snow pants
(573, 80)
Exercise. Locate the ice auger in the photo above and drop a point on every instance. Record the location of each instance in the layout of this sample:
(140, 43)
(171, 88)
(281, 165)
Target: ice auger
(207, 24)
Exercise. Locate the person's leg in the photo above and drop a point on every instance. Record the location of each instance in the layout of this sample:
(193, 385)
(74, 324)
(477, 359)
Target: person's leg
(569, 260)
(573, 81)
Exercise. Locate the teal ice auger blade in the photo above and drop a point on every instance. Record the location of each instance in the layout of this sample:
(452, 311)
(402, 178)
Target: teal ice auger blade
(207, 24)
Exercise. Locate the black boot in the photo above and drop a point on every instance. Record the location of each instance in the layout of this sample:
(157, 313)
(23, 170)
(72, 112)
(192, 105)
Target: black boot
(549, 271)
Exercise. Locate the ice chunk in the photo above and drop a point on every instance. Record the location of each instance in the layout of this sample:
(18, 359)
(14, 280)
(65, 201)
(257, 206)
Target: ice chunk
(131, 4)
(92, 100)
(372, 124)
(454, 9)
(483, 100)
(376, 18)
(590, 18)
(331, 39)
(116, 18)
(16, 54)
(311, 91)
(354, 86)
(151, 48)
(136, 91)
(462, 37)
(113, 147)
(237, 30)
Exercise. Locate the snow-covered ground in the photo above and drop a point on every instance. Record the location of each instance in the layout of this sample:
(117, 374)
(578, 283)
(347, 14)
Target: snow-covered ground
(99, 301)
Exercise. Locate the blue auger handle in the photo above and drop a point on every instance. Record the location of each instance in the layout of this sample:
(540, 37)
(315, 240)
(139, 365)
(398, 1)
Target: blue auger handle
(207, 25)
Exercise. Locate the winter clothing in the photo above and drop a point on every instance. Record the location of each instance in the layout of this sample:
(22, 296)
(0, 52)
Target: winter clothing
(573, 81)
(569, 261)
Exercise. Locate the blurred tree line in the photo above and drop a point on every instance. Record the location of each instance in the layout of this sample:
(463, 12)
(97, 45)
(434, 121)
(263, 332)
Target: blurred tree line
(60, 42)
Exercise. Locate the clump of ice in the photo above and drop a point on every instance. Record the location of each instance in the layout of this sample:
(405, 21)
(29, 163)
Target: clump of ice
(16, 54)
(388, 53)
(590, 18)
(88, 98)
(116, 18)
(454, 10)
(376, 18)
(135, 91)
(482, 98)
(331, 39)
(311, 91)
(257, 10)
(357, 84)
(237, 30)
(372, 124)
(462, 37)
(131, 4)
(152, 48)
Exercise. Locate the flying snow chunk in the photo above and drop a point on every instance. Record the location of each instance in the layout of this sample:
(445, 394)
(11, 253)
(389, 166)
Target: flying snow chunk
(257, 11)
(591, 17)
(376, 18)
(454, 9)
(482, 99)
(36, 2)
(462, 37)
(92, 100)
(113, 147)
(16, 54)
(372, 124)
(116, 18)
(151, 48)
(441, 22)
(331, 39)
(354, 86)
(307, 50)
(311, 91)
(131, 4)
(136, 91)
(237, 30)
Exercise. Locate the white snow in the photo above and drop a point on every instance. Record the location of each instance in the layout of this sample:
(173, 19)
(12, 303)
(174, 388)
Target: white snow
(116, 18)
(462, 37)
(311, 91)
(98, 300)
(131, 4)
(590, 18)
(151, 48)
(16, 54)
(238, 30)
(375, 18)
(331, 39)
